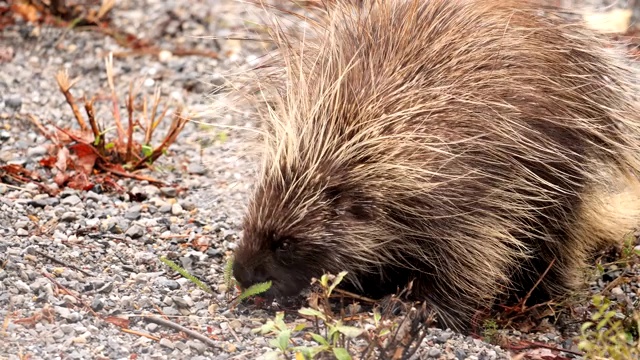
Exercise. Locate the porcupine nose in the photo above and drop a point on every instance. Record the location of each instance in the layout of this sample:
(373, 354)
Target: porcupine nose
(247, 276)
(241, 274)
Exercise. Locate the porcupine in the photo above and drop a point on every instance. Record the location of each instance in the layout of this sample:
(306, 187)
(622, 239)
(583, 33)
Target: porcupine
(467, 146)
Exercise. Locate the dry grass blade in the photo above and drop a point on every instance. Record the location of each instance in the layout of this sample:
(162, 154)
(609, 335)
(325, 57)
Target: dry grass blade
(65, 85)
(114, 98)
(178, 123)
(105, 7)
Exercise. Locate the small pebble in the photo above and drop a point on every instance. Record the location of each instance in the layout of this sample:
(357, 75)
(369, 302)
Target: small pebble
(434, 352)
(176, 209)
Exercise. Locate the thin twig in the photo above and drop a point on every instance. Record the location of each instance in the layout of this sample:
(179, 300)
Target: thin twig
(530, 344)
(524, 300)
(134, 332)
(178, 327)
(60, 262)
(70, 293)
(34, 120)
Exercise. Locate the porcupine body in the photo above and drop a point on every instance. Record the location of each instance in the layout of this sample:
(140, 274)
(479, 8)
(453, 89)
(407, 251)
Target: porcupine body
(468, 146)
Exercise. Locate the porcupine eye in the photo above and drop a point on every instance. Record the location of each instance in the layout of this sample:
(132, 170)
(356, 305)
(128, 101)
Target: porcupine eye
(283, 250)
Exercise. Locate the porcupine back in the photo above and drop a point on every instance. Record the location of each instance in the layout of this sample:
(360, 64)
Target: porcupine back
(466, 145)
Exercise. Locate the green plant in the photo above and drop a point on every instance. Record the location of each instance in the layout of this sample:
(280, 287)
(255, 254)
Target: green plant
(334, 339)
(231, 283)
(605, 337)
(490, 330)
(185, 273)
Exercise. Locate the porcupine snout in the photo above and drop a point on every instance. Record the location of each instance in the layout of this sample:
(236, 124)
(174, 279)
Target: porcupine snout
(247, 276)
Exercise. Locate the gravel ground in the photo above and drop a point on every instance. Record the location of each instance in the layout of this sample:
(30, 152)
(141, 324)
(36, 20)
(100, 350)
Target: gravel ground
(104, 248)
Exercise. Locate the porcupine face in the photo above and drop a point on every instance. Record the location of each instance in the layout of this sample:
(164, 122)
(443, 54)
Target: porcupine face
(296, 230)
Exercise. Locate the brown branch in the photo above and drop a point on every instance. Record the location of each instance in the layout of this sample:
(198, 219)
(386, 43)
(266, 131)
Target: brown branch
(130, 129)
(88, 107)
(178, 327)
(129, 175)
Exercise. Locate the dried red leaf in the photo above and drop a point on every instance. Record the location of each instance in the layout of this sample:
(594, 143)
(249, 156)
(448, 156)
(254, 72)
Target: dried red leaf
(19, 171)
(117, 321)
(48, 161)
(63, 160)
(85, 158)
(80, 181)
(68, 135)
(60, 178)
(27, 11)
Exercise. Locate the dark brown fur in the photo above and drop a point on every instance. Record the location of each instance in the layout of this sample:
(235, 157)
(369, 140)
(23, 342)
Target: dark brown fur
(461, 144)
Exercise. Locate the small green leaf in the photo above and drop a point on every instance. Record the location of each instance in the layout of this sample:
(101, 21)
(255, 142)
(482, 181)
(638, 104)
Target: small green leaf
(341, 354)
(300, 327)
(272, 355)
(147, 150)
(350, 331)
(585, 326)
(109, 146)
(283, 340)
(376, 317)
(222, 136)
(337, 281)
(255, 289)
(319, 339)
(310, 352)
(265, 328)
(312, 312)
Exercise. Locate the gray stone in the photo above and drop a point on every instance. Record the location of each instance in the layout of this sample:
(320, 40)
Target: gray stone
(13, 101)
(135, 231)
(36, 151)
(196, 169)
(167, 343)
(169, 191)
(97, 304)
(71, 200)
(69, 216)
(133, 213)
